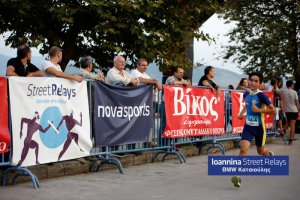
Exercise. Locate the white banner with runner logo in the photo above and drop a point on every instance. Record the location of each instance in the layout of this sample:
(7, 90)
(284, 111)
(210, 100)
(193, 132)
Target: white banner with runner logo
(50, 120)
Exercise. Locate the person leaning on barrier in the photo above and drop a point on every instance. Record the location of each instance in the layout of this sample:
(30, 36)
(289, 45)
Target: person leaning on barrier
(177, 78)
(206, 79)
(140, 73)
(86, 66)
(118, 76)
(243, 85)
(21, 66)
(51, 68)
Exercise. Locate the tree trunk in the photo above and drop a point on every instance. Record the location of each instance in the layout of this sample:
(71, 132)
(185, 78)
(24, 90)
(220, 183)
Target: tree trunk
(70, 47)
(67, 56)
(190, 55)
(295, 60)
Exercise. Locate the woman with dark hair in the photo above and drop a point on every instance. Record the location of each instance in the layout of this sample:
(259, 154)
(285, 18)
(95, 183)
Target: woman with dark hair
(243, 84)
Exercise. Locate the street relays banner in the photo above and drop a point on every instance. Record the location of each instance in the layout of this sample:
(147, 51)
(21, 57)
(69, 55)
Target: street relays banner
(50, 120)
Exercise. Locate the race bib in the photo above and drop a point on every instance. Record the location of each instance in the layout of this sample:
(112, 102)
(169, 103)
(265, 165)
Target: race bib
(252, 120)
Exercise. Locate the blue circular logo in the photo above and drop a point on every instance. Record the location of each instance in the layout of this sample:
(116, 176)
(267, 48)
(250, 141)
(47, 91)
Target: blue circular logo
(53, 137)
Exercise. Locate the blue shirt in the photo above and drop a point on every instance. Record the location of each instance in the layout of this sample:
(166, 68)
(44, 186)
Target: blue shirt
(260, 100)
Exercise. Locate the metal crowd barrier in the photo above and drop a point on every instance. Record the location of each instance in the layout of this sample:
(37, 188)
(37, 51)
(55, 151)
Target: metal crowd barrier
(111, 154)
(6, 160)
(215, 140)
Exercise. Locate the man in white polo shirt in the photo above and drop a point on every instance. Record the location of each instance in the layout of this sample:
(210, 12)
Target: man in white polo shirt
(51, 68)
(140, 73)
(117, 75)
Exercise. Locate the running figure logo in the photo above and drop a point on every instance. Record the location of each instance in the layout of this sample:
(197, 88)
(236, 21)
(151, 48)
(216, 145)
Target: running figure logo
(70, 124)
(29, 143)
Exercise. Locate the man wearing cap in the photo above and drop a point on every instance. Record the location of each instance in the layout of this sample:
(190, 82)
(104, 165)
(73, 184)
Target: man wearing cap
(51, 68)
(21, 66)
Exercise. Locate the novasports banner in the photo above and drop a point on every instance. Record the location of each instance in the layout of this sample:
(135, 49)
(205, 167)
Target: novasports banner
(238, 104)
(122, 115)
(4, 133)
(193, 112)
(50, 120)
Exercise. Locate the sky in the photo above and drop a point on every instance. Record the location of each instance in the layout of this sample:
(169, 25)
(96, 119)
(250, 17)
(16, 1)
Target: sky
(7, 51)
(204, 52)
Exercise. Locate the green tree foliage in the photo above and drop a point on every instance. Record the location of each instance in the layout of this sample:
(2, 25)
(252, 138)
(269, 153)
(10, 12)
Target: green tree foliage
(266, 37)
(153, 29)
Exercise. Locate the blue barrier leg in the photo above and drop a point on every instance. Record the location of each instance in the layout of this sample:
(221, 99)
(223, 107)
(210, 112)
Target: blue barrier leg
(96, 165)
(37, 181)
(283, 138)
(222, 146)
(4, 179)
(154, 156)
(117, 163)
(179, 155)
(15, 178)
(23, 172)
(182, 157)
(218, 146)
(171, 150)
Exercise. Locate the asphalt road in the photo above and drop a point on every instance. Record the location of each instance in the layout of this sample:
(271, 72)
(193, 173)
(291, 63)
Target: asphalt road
(167, 181)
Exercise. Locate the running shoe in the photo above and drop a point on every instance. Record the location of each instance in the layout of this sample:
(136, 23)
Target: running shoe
(236, 180)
